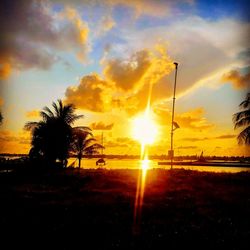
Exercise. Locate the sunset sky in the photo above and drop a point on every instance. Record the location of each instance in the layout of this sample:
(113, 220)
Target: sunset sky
(103, 56)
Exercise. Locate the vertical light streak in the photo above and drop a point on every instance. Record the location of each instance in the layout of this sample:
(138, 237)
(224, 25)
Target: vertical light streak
(142, 175)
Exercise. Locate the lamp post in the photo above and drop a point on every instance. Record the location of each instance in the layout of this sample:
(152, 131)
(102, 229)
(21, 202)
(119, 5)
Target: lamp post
(172, 125)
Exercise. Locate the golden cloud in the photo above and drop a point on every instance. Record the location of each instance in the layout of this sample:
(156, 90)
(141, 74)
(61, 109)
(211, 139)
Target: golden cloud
(238, 80)
(220, 137)
(107, 23)
(126, 74)
(101, 126)
(143, 67)
(92, 94)
(126, 85)
(1, 101)
(33, 114)
(5, 70)
(192, 119)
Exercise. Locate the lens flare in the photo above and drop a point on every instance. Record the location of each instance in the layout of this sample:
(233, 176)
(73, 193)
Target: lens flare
(145, 132)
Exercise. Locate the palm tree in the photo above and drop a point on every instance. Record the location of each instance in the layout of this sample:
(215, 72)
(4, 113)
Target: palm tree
(242, 119)
(83, 143)
(51, 137)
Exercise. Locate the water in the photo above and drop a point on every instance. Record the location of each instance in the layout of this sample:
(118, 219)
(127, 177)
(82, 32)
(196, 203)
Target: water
(135, 164)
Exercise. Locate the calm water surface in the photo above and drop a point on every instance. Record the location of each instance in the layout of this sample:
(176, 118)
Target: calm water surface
(134, 164)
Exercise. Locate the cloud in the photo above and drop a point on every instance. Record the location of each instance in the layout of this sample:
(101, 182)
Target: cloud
(192, 119)
(33, 114)
(1, 102)
(123, 142)
(221, 137)
(202, 47)
(126, 83)
(5, 70)
(92, 94)
(101, 126)
(32, 35)
(225, 137)
(159, 8)
(187, 147)
(144, 66)
(106, 24)
(126, 74)
(238, 80)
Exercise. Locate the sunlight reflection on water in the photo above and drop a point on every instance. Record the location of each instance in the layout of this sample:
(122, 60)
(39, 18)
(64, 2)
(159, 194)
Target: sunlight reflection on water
(135, 164)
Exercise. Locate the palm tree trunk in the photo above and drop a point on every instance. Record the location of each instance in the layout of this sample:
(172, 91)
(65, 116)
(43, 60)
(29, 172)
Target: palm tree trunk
(79, 162)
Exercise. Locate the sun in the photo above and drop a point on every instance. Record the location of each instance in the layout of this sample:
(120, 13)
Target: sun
(144, 129)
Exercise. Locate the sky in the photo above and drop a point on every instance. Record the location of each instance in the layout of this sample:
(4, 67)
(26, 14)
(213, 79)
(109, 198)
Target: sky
(105, 57)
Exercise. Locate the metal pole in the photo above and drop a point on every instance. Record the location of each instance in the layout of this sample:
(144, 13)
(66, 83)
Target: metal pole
(172, 125)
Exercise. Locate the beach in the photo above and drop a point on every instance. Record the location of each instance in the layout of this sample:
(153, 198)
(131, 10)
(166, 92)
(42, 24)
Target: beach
(94, 209)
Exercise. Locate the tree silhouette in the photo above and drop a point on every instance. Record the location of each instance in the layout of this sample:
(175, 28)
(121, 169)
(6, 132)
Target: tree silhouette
(242, 120)
(83, 143)
(51, 137)
(1, 118)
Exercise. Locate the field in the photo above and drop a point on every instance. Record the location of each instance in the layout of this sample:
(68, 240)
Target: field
(93, 209)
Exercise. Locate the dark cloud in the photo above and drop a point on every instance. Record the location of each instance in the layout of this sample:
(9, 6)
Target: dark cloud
(31, 34)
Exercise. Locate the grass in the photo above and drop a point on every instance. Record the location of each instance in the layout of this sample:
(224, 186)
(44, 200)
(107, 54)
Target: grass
(93, 209)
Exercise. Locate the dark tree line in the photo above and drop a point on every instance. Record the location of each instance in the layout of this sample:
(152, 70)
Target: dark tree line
(242, 120)
(54, 138)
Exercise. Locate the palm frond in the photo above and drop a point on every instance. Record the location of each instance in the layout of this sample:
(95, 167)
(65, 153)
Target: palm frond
(244, 136)
(31, 125)
(48, 111)
(242, 122)
(246, 103)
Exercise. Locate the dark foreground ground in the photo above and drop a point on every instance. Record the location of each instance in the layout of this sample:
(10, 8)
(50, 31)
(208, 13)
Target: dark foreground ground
(93, 209)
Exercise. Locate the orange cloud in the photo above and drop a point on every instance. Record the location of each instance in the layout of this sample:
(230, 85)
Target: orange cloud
(126, 85)
(101, 126)
(221, 137)
(126, 74)
(92, 94)
(143, 67)
(80, 32)
(1, 101)
(33, 114)
(238, 80)
(191, 120)
(5, 70)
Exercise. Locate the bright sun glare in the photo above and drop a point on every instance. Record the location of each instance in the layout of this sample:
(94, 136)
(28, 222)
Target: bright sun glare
(144, 129)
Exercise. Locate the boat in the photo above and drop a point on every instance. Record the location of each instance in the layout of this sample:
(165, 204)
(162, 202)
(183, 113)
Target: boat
(100, 162)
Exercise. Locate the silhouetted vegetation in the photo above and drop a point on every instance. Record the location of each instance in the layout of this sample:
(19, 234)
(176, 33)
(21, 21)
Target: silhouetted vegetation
(83, 143)
(52, 136)
(242, 120)
(93, 209)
